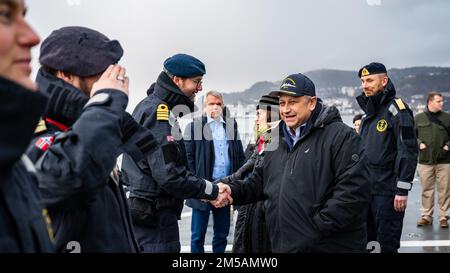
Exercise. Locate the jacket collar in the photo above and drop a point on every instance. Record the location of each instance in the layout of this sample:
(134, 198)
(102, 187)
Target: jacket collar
(20, 110)
(209, 119)
(168, 91)
(308, 126)
(370, 105)
(65, 103)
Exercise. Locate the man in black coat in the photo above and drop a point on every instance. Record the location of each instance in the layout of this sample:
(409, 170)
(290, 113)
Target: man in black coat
(315, 181)
(159, 187)
(214, 150)
(24, 222)
(387, 131)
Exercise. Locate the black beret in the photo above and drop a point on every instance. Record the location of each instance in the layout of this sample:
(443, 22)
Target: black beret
(296, 85)
(371, 69)
(80, 51)
(185, 66)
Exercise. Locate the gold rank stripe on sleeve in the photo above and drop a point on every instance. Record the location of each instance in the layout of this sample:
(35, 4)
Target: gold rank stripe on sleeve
(400, 104)
(48, 223)
(162, 112)
(40, 127)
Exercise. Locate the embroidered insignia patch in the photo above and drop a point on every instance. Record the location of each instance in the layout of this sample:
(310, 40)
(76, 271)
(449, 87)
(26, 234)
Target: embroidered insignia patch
(44, 142)
(382, 125)
(364, 72)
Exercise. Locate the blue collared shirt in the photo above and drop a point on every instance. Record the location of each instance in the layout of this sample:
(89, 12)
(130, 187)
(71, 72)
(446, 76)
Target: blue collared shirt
(298, 133)
(222, 162)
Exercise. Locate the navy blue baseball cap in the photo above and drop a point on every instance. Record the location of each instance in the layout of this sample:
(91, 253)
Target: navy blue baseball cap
(80, 51)
(296, 85)
(185, 66)
(372, 69)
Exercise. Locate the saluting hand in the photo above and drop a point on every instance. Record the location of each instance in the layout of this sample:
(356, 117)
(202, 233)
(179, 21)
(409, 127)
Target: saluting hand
(113, 78)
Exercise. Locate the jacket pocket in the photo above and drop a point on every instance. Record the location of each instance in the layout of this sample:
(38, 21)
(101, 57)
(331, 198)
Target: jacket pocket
(143, 212)
(443, 156)
(425, 156)
(424, 131)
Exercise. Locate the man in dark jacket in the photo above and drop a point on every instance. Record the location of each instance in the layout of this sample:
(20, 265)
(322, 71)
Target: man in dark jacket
(24, 222)
(214, 150)
(387, 130)
(316, 181)
(78, 140)
(433, 137)
(155, 201)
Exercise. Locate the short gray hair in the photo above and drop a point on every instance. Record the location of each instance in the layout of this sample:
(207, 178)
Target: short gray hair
(214, 94)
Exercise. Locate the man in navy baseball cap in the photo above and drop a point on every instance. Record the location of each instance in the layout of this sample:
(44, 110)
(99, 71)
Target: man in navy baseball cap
(296, 85)
(297, 101)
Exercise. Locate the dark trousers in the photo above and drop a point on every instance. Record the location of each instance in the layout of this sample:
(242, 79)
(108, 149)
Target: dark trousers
(163, 238)
(199, 224)
(384, 224)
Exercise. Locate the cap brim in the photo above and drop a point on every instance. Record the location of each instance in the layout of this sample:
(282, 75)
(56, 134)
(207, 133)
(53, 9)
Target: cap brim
(284, 92)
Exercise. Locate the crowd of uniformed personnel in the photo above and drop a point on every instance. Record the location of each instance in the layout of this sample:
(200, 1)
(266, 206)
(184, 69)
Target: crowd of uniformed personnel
(322, 187)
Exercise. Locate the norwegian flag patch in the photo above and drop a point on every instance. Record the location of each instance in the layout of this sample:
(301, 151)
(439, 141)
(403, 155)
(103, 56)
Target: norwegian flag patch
(44, 142)
(170, 139)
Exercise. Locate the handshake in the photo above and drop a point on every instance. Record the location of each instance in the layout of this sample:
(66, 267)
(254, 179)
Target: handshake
(224, 197)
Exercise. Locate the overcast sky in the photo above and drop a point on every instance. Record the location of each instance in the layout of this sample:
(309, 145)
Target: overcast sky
(245, 41)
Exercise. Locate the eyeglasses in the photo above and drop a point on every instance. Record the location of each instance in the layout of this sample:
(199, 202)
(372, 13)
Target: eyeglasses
(197, 82)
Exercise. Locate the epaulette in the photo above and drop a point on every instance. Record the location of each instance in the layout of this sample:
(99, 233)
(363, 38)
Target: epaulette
(396, 106)
(400, 105)
(162, 112)
(41, 127)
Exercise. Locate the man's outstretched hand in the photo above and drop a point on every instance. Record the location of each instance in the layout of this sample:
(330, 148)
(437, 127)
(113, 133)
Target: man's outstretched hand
(224, 198)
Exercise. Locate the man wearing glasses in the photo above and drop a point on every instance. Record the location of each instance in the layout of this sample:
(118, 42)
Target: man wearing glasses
(155, 200)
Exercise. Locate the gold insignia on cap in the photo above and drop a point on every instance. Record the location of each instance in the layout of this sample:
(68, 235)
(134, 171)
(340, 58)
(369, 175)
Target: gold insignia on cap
(365, 72)
(382, 125)
(162, 112)
(40, 127)
(288, 82)
(400, 104)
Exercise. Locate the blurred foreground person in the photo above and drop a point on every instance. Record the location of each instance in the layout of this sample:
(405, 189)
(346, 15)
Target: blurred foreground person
(24, 223)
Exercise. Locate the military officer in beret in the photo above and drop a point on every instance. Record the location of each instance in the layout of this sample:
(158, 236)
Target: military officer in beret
(388, 134)
(157, 189)
(83, 130)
